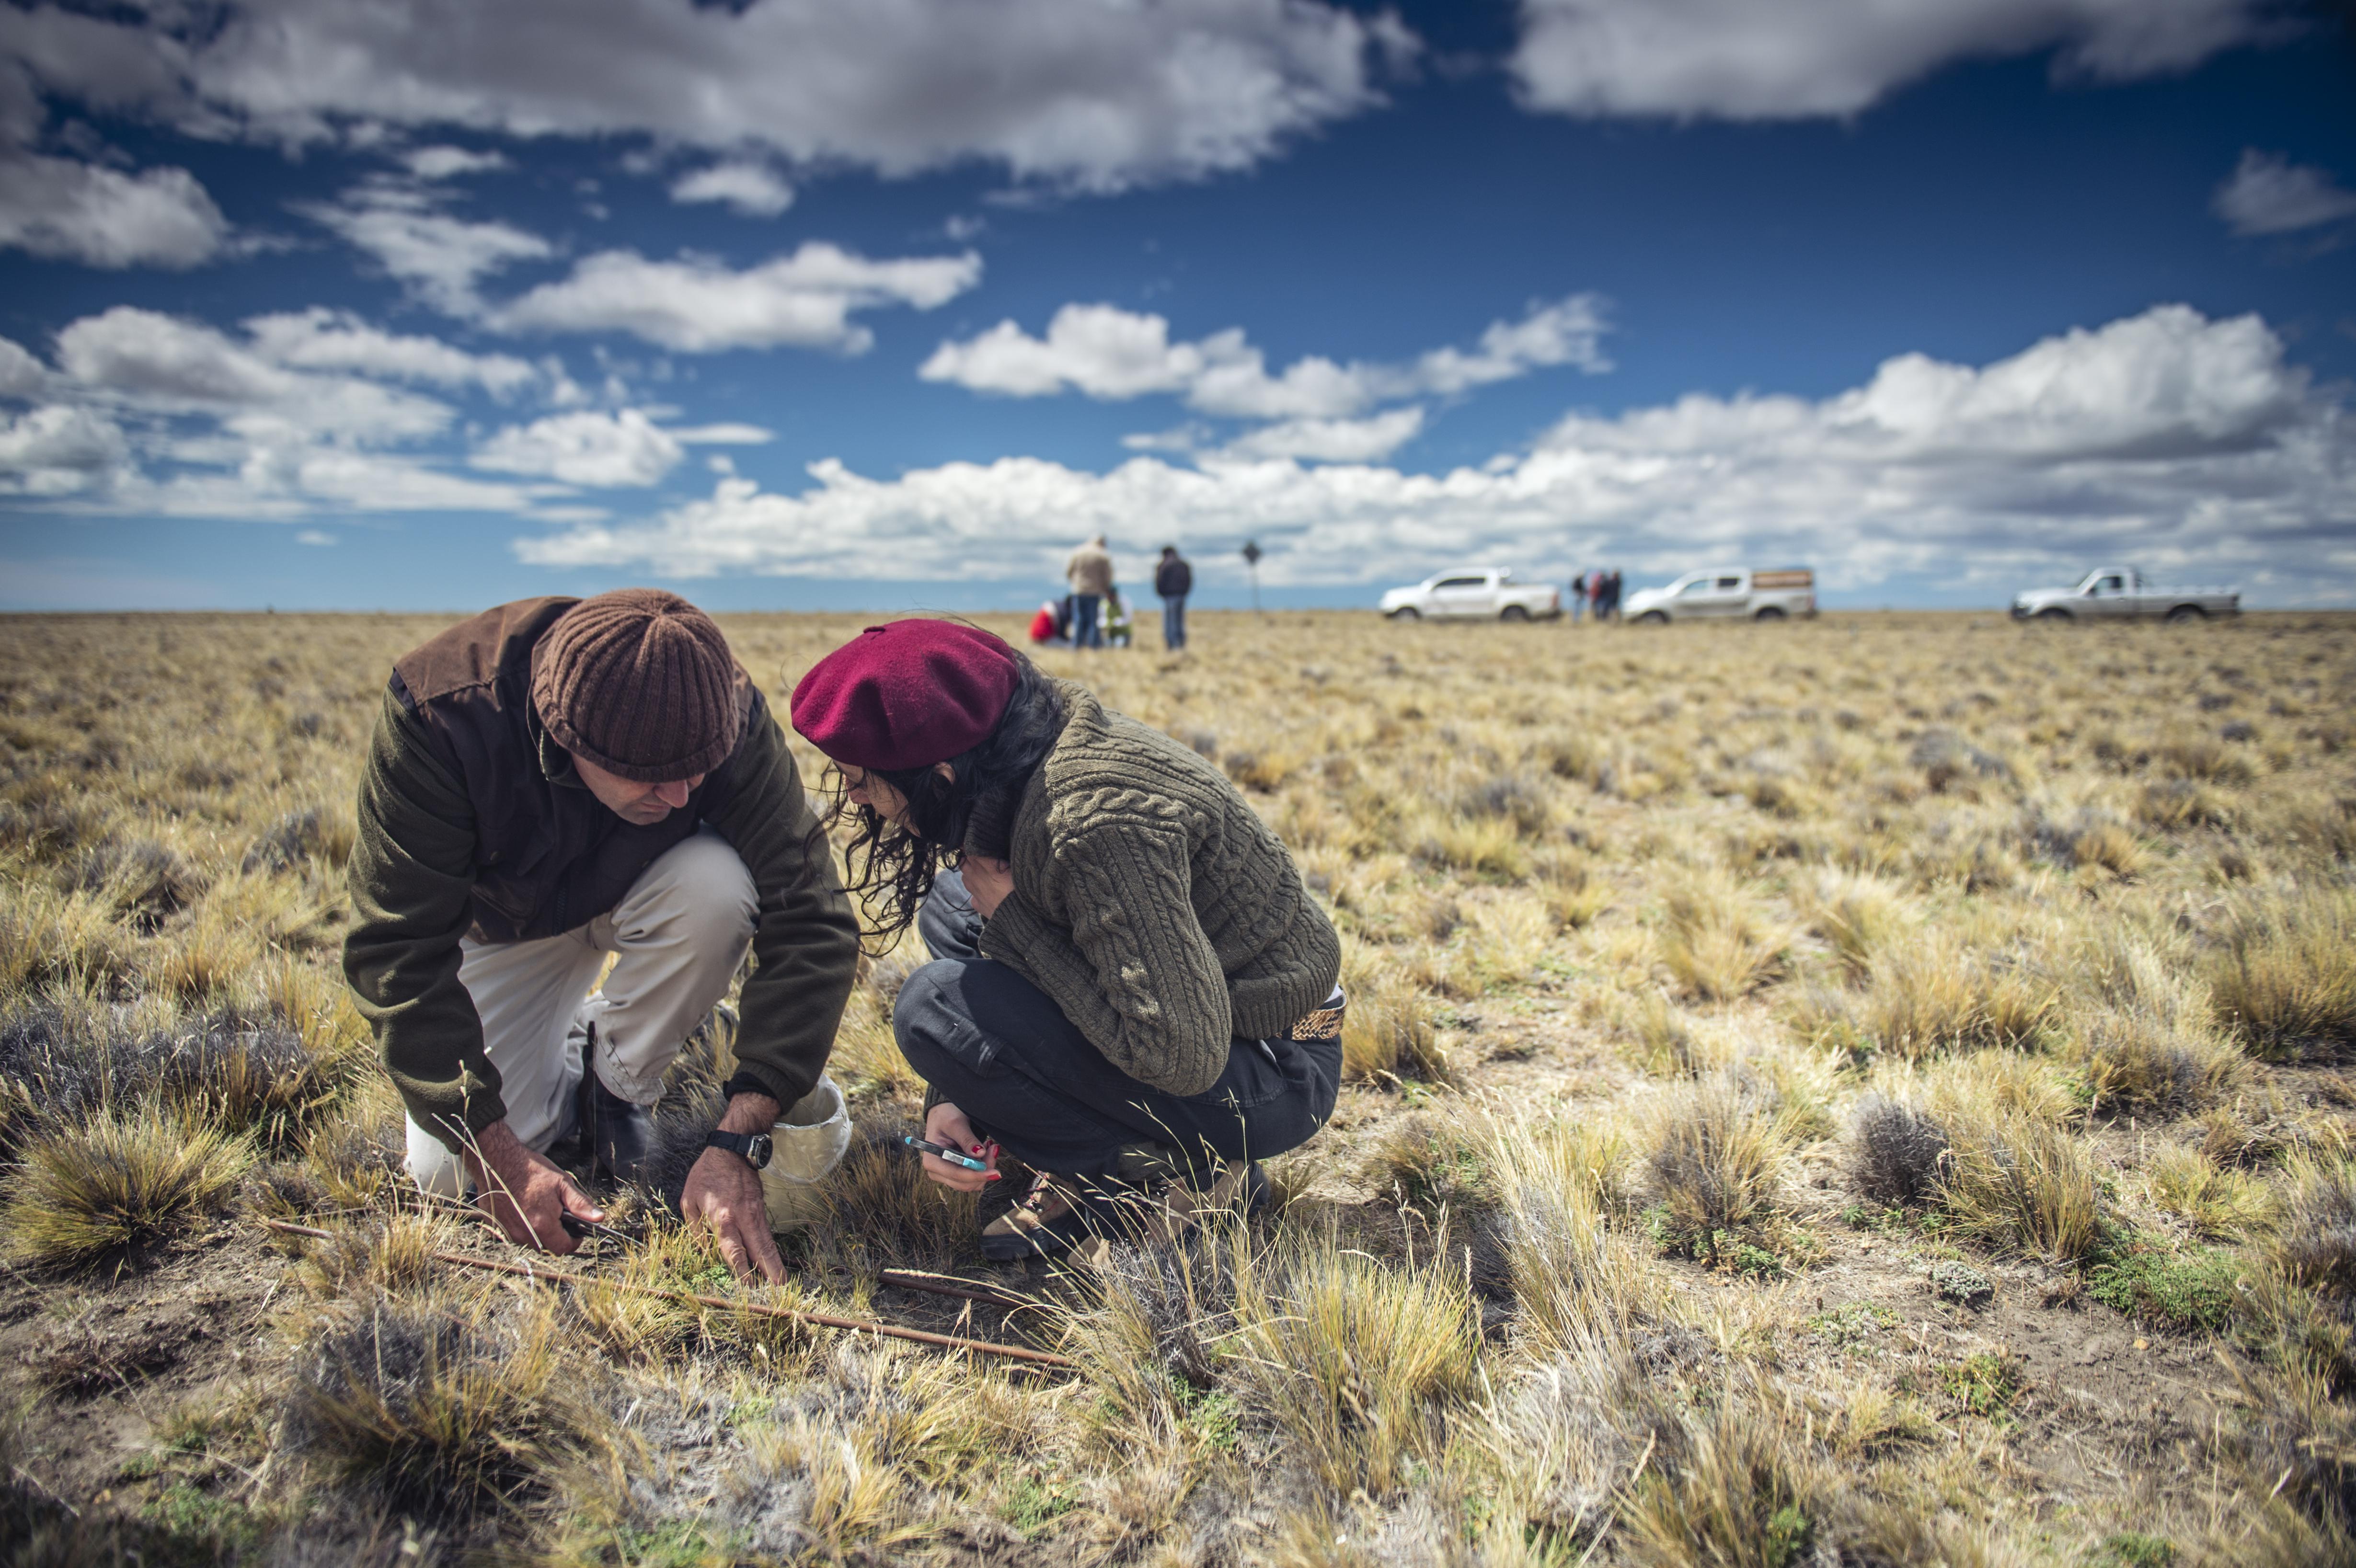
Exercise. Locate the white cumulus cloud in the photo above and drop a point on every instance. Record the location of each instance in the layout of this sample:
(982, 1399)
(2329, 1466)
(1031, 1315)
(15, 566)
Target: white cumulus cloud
(103, 217)
(144, 359)
(59, 451)
(2269, 194)
(751, 188)
(441, 162)
(804, 300)
(1741, 59)
(1096, 96)
(155, 415)
(592, 448)
(2178, 441)
(440, 256)
(21, 375)
(1104, 351)
(722, 434)
(1332, 441)
(323, 339)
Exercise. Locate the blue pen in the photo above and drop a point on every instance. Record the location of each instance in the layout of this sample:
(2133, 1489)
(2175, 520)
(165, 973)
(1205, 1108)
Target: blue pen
(921, 1147)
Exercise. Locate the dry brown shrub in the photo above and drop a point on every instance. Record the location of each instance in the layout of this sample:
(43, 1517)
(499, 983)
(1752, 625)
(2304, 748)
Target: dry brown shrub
(1357, 1363)
(2023, 1186)
(427, 1405)
(124, 1179)
(2315, 1244)
(2284, 973)
(1895, 1152)
(1717, 1158)
(1387, 1030)
(1859, 915)
(1942, 994)
(1717, 939)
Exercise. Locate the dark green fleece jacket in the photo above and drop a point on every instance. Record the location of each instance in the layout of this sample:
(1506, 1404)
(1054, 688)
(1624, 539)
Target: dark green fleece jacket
(441, 855)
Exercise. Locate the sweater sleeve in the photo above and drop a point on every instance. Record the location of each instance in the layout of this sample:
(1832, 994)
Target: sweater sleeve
(412, 876)
(1135, 973)
(805, 938)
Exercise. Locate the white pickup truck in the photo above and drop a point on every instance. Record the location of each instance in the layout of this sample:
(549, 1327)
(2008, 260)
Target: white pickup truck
(2121, 593)
(1727, 594)
(1474, 594)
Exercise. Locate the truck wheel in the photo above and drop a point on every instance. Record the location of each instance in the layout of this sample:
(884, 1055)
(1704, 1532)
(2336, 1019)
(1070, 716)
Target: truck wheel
(2188, 613)
(1513, 612)
(2051, 616)
(1653, 618)
(1770, 614)
(1404, 612)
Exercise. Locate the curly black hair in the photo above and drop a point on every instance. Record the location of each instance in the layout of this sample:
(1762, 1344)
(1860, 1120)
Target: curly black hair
(891, 867)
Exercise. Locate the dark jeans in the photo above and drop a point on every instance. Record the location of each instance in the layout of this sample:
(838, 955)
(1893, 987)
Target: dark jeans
(1086, 631)
(997, 1048)
(1173, 621)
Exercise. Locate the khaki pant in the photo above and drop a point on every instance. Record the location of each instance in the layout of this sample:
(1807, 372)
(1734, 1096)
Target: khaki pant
(677, 937)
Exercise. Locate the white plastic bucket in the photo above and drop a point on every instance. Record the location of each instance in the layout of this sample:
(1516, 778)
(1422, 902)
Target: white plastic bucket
(808, 1142)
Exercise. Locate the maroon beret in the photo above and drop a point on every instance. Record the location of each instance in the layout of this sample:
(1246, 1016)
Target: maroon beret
(906, 695)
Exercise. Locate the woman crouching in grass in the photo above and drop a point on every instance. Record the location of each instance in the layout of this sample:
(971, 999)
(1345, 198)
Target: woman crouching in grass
(1130, 992)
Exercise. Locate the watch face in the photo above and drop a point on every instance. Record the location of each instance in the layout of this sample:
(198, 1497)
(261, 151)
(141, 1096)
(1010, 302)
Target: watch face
(761, 1148)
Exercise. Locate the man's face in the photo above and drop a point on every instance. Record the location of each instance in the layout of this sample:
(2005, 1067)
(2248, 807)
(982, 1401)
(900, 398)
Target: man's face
(641, 804)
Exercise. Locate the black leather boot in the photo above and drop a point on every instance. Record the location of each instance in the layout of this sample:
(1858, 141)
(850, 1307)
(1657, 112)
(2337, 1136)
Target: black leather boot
(619, 1134)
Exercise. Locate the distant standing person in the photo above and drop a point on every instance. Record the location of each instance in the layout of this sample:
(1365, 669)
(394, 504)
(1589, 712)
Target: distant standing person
(1610, 610)
(1578, 595)
(1173, 579)
(1089, 572)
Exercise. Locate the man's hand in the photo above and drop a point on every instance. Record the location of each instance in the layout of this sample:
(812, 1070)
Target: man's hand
(526, 1192)
(724, 1194)
(947, 1126)
(987, 883)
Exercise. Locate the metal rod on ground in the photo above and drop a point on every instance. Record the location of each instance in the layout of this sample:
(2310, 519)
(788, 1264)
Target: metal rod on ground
(950, 1285)
(722, 1304)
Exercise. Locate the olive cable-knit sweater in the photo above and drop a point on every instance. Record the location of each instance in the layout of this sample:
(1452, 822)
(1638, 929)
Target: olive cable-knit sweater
(1151, 903)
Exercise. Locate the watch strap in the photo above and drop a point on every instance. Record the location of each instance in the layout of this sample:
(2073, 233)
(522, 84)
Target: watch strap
(754, 1149)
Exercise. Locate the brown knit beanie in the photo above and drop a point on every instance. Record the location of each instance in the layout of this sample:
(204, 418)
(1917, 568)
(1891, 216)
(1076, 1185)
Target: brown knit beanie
(641, 683)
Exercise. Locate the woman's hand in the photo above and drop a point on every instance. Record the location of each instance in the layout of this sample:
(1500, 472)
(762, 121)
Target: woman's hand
(987, 882)
(946, 1125)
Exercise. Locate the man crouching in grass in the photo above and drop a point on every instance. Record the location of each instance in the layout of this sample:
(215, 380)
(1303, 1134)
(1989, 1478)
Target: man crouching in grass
(550, 782)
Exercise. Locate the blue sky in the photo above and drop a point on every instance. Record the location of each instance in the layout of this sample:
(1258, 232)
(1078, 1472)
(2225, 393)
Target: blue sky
(797, 305)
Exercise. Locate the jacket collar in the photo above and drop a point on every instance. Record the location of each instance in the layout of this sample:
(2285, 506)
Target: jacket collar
(555, 761)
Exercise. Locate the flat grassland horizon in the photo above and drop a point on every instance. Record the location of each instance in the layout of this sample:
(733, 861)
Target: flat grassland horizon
(1865, 1091)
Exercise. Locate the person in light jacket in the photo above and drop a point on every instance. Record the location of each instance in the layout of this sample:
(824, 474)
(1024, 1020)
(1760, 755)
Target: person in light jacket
(1089, 572)
(1131, 991)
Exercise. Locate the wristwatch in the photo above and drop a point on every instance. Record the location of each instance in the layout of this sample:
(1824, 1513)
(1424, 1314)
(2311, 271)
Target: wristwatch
(755, 1147)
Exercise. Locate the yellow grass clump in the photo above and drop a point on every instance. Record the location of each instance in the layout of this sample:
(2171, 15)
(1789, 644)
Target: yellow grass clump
(123, 1180)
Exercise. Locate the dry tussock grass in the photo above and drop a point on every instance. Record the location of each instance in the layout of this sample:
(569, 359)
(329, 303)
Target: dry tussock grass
(1664, 951)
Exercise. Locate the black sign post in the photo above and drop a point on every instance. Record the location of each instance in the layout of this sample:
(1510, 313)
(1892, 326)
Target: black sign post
(1252, 560)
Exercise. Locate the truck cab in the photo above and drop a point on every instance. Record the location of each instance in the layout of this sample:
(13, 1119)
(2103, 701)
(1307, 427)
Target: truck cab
(1727, 594)
(1474, 594)
(2120, 593)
